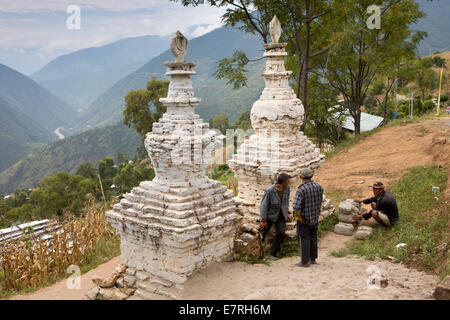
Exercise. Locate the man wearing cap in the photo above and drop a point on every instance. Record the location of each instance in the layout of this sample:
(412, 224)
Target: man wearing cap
(307, 203)
(384, 207)
(274, 211)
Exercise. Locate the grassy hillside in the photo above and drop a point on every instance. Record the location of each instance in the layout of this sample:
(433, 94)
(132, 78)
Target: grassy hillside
(68, 154)
(205, 51)
(81, 76)
(31, 99)
(28, 116)
(19, 134)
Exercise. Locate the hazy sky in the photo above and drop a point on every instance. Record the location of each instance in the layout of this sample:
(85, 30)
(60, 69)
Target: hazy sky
(33, 32)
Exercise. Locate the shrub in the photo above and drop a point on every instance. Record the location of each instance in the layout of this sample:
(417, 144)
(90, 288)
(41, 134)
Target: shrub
(428, 105)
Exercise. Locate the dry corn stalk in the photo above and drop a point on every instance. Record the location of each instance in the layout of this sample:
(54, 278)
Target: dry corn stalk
(30, 261)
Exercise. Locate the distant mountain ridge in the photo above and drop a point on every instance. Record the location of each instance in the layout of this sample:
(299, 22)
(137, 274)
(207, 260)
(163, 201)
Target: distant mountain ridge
(435, 24)
(32, 99)
(97, 80)
(81, 76)
(19, 134)
(68, 154)
(216, 96)
(28, 116)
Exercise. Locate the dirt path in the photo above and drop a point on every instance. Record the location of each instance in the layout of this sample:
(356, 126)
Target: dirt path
(385, 156)
(60, 291)
(331, 278)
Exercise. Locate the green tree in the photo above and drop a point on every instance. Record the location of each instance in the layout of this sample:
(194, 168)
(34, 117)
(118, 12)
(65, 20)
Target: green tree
(143, 107)
(20, 215)
(122, 159)
(220, 122)
(439, 62)
(359, 53)
(87, 170)
(425, 79)
(385, 83)
(326, 116)
(130, 176)
(60, 193)
(302, 23)
(107, 170)
(243, 122)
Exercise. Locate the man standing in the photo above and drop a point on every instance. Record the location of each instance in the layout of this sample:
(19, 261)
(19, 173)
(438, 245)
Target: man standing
(274, 210)
(307, 203)
(384, 207)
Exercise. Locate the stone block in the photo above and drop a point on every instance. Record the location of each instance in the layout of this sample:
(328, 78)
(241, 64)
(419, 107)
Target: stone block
(363, 232)
(326, 204)
(442, 291)
(345, 218)
(129, 281)
(131, 271)
(92, 293)
(344, 228)
(349, 207)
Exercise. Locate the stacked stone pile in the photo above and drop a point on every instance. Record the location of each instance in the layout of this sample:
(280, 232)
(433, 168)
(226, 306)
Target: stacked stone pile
(346, 226)
(110, 288)
(347, 209)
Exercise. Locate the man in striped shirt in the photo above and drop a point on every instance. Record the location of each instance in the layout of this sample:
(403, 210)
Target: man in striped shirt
(307, 203)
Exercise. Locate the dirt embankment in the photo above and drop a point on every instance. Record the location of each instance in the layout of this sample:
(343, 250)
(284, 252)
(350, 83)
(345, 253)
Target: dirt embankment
(386, 155)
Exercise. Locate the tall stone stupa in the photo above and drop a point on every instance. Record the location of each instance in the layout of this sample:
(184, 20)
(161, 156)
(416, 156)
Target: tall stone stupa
(182, 220)
(277, 145)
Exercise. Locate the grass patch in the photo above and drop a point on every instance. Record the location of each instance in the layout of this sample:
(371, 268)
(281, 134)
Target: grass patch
(104, 251)
(226, 177)
(327, 224)
(341, 253)
(423, 225)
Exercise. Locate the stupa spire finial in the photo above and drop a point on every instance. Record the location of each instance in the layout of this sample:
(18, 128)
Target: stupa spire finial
(275, 29)
(179, 46)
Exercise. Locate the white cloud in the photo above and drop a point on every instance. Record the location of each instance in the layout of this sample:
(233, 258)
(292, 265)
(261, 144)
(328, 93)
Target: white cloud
(26, 6)
(40, 26)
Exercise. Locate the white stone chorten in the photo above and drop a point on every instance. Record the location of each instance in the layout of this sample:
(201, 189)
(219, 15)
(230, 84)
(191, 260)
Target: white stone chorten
(182, 220)
(278, 145)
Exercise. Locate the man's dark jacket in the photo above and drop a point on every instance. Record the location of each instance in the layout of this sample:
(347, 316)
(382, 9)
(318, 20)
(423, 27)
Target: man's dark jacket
(386, 203)
(271, 204)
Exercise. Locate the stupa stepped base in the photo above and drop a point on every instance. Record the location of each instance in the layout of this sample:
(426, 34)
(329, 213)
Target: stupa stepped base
(149, 287)
(170, 232)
